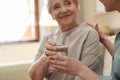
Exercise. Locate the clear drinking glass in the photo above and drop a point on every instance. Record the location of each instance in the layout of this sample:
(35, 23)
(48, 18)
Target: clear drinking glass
(62, 42)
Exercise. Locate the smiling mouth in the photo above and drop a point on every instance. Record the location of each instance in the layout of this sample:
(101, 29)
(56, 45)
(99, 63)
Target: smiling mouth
(65, 16)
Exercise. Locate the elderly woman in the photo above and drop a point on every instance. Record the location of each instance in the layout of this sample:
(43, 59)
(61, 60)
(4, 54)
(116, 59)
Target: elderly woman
(83, 70)
(83, 44)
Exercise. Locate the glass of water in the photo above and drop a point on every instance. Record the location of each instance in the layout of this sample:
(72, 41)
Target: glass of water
(62, 44)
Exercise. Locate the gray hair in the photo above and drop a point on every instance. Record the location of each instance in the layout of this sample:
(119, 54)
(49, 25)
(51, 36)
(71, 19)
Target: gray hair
(77, 3)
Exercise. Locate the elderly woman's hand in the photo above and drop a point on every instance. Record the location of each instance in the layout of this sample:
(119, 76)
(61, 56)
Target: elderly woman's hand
(65, 64)
(50, 48)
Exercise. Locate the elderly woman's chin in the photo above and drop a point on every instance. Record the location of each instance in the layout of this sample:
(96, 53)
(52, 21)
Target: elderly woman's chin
(67, 22)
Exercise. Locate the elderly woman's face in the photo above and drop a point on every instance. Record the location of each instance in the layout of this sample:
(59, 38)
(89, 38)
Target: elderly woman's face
(64, 11)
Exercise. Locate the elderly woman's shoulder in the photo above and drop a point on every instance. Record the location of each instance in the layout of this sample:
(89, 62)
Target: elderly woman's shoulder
(89, 30)
(49, 35)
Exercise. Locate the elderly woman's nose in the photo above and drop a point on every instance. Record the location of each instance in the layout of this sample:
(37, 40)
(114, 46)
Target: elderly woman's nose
(63, 9)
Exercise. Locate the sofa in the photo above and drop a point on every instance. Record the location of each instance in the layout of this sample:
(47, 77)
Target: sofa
(15, 71)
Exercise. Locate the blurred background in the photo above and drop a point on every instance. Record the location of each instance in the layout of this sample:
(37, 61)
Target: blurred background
(23, 23)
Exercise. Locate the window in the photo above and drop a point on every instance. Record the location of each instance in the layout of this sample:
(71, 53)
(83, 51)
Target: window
(47, 24)
(19, 20)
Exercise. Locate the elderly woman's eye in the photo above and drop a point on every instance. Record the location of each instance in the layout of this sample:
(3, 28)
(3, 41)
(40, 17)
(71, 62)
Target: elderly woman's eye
(67, 3)
(56, 7)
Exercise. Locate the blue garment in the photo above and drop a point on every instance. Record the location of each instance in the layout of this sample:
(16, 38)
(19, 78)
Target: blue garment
(116, 59)
(115, 73)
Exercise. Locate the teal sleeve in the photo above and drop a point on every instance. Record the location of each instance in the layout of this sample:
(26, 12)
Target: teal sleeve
(105, 77)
